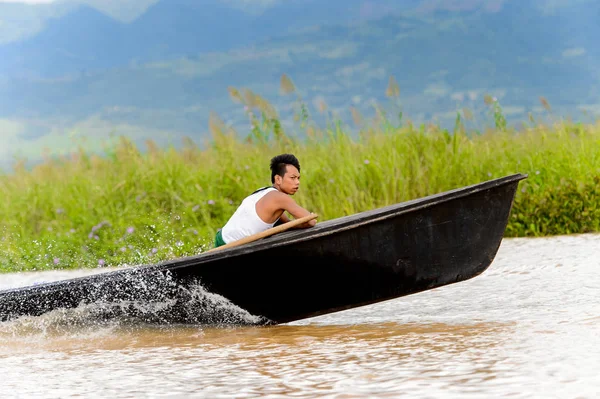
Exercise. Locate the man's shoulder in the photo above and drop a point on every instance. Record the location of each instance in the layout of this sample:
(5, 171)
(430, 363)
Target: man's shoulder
(276, 196)
(262, 189)
(269, 194)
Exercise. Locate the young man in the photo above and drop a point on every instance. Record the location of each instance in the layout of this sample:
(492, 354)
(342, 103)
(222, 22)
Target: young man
(266, 207)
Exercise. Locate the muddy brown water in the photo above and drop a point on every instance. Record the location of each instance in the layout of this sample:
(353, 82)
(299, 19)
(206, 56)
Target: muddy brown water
(528, 327)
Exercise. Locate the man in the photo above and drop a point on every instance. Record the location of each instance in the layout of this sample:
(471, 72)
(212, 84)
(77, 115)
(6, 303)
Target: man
(266, 207)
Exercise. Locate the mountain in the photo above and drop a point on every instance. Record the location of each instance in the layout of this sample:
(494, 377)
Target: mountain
(160, 74)
(83, 37)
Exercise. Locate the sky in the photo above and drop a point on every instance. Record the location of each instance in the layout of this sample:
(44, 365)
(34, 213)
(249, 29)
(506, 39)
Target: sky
(100, 3)
(263, 2)
(27, 1)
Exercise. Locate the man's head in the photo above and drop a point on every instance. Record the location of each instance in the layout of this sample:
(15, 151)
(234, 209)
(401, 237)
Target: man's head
(285, 173)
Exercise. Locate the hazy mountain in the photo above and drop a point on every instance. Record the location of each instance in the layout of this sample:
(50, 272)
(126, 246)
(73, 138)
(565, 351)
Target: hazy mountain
(157, 69)
(86, 38)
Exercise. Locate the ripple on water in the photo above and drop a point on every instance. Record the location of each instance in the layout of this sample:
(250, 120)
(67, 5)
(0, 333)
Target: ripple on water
(528, 327)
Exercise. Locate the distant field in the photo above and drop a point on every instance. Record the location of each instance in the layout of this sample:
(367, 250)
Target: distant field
(140, 205)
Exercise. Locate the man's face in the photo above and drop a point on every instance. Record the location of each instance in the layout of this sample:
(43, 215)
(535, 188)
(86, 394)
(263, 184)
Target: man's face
(291, 180)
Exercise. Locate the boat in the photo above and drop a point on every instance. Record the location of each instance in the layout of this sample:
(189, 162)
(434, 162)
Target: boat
(339, 264)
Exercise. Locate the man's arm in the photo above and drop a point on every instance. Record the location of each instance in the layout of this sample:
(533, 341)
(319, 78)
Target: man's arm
(289, 205)
(277, 203)
(283, 218)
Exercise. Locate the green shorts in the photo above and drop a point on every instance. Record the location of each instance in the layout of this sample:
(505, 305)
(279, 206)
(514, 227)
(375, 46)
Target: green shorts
(219, 239)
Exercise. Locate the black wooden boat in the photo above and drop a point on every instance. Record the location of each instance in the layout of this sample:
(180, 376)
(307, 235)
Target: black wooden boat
(339, 264)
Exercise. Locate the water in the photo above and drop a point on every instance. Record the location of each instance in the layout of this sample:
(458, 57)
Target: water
(528, 327)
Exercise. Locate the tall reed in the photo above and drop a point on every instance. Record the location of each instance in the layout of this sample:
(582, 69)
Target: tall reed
(142, 205)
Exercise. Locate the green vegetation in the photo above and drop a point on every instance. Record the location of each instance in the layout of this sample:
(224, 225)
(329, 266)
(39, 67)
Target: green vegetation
(132, 206)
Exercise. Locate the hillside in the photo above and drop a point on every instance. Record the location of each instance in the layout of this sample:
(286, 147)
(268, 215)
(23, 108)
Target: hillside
(162, 73)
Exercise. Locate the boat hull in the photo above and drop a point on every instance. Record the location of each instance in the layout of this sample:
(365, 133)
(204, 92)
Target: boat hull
(339, 264)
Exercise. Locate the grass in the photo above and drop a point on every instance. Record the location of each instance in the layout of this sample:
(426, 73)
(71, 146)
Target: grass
(133, 206)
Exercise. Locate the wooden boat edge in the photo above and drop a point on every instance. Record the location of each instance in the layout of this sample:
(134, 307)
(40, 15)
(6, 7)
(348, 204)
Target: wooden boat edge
(343, 223)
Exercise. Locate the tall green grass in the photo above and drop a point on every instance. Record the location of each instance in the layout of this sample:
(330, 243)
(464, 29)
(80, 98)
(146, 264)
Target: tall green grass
(140, 205)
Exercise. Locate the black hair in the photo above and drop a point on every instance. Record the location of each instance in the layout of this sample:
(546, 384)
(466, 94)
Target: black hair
(279, 163)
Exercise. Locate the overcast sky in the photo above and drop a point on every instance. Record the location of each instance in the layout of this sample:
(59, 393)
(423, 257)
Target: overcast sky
(26, 1)
(263, 2)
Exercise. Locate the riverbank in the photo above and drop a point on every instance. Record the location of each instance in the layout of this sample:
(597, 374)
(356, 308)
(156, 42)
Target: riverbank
(137, 205)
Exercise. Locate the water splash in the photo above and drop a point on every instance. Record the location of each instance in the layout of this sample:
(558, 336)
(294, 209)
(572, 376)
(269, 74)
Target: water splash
(137, 299)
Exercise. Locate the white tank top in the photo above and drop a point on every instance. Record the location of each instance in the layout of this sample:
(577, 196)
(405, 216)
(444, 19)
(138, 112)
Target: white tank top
(245, 221)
